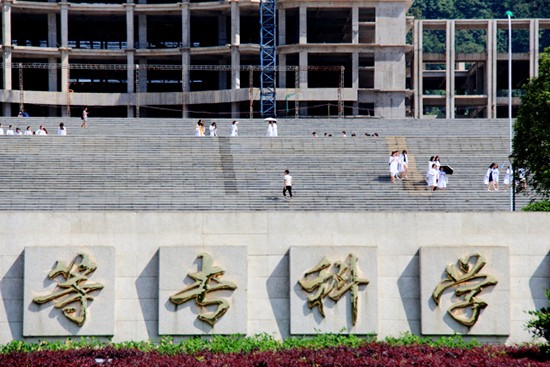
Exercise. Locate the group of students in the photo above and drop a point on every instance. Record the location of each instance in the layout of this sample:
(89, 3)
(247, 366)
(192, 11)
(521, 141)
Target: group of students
(343, 135)
(61, 131)
(492, 177)
(399, 165)
(213, 129)
(272, 129)
(436, 177)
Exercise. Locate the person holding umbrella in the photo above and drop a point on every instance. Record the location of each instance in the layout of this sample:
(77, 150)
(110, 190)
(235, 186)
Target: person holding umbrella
(272, 127)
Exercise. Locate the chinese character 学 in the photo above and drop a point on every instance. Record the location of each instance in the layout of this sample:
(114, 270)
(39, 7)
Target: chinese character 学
(73, 292)
(206, 280)
(333, 280)
(464, 275)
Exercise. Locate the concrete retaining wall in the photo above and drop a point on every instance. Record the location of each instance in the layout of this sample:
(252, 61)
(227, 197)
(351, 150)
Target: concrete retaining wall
(139, 237)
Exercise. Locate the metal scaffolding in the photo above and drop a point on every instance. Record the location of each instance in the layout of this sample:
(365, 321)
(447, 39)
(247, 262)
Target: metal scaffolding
(268, 58)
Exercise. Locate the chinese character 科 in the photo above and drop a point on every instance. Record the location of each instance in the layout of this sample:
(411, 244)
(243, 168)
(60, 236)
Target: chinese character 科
(206, 280)
(333, 280)
(73, 289)
(464, 276)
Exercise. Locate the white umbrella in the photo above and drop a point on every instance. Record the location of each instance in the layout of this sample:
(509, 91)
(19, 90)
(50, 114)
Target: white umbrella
(270, 119)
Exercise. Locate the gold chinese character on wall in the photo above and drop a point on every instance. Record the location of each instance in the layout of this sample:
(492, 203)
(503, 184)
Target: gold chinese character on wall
(72, 293)
(464, 276)
(333, 280)
(207, 280)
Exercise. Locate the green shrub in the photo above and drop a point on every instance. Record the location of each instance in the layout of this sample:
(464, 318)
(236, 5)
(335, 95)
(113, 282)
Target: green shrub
(321, 341)
(454, 341)
(539, 325)
(538, 206)
(225, 344)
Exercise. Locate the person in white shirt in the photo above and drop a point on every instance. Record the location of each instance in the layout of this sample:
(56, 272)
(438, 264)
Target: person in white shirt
(41, 131)
(213, 129)
(28, 131)
(18, 131)
(433, 175)
(430, 163)
(496, 174)
(443, 180)
(9, 131)
(62, 131)
(275, 131)
(84, 117)
(489, 178)
(234, 129)
(198, 128)
(507, 177)
(269, 132)
(1, 130)
(394, 166)
(404, 164)
(287, 186)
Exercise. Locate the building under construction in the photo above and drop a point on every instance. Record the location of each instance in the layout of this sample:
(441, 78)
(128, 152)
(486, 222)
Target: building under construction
(155, 58)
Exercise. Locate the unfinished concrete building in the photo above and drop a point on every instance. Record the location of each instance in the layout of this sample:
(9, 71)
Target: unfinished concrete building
(155, 58)
(168, 58)
(455, 80)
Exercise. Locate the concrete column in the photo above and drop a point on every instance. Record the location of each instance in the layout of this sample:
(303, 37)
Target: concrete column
(302, 25)
(281, 40)
(235, 43)
(64, 76)
(142, 43)
(281, 27)
(65, 72)
(355, 58)
(489, 70)
(235, 54)
(185, 25)
(52, 42)
(355, 69)
(6, 42)
(130, 55)
(52, 30)
(64, 21)
(355, 24)
(185, 62)
(450, 70)
(52, 73)
(303, 63)
(418, 67)
(534, 48)
(355, 79)
(282, 73)
(185, 54)
(492, 84)
(6, 56)
(142, 31)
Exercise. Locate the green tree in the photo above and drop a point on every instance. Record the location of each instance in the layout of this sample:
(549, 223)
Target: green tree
(531, 144)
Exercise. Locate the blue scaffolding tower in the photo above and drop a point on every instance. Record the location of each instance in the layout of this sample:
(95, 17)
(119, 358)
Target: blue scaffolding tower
(268, 59)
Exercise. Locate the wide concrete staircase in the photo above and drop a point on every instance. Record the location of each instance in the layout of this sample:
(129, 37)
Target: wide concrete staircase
(157, 164)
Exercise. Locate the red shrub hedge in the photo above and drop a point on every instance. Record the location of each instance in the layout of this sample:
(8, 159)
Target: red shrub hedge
(369, 355)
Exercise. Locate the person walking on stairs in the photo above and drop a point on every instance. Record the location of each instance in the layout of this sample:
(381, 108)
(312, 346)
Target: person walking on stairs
(287, 185)
(84, 117)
